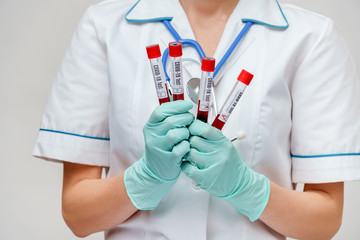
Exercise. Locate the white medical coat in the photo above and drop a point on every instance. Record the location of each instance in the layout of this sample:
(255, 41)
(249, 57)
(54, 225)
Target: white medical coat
(301, 112)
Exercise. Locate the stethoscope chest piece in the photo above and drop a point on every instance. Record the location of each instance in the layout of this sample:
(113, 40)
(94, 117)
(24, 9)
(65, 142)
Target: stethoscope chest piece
(192, 89)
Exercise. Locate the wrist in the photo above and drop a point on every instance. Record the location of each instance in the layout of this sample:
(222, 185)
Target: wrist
(144, 188)
(251, 197)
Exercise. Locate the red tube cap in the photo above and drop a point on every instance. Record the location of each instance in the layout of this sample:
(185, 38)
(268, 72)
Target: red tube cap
(175, 49)
(208, 64)
(153, 51)
(245, 77)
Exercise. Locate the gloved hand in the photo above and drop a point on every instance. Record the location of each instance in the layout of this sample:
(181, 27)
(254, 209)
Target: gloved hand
(166, 135)
(216, 166)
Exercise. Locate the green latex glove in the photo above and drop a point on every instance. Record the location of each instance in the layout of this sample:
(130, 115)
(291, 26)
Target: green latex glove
(216, 166)
(166, 135)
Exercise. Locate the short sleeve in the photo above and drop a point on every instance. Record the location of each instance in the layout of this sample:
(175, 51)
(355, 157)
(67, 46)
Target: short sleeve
(325, 138)
(75, 124)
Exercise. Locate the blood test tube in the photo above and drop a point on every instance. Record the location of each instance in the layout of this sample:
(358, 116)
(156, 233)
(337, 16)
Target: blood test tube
(207, 68)
(244, 80)
(154, 55)
(175, 53)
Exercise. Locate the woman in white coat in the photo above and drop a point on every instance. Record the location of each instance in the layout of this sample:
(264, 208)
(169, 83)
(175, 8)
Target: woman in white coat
(300, 114)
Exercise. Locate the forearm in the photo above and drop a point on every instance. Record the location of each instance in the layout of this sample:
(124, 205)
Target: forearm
(93, 205)
(312, 214)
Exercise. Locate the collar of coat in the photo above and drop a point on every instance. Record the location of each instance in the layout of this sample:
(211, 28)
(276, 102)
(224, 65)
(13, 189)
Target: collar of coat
(264, 12)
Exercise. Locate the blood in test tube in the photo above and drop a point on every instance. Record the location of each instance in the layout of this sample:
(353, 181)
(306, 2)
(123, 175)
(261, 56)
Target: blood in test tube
(154, 55)
(207, 68)
(244, 80)
(175, 53)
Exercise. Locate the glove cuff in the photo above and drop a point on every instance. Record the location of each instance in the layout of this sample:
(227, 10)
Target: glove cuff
(144, 189)
(252, 199)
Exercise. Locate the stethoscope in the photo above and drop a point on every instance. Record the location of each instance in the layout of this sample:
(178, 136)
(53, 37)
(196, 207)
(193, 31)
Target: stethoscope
(193, 84)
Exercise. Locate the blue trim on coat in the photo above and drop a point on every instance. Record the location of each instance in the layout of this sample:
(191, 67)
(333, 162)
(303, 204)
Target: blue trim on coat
(73, 134)
(325, 155)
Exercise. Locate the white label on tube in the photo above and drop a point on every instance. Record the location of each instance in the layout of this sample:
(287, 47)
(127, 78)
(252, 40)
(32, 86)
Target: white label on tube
(205, 91)
(177, 78)
(159, 78)
(230, 105)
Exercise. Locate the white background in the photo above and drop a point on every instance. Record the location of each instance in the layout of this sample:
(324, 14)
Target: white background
(33, 37)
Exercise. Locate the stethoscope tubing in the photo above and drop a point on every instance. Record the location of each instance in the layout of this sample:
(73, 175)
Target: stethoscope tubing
(199, 49)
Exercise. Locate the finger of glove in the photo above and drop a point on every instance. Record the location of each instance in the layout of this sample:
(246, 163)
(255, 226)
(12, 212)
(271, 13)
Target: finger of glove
(168, 109)
(200, 160)
(175, 136)
(202, 144)
(181, 150)
(172, 122)
(176, 121)
(192, 172)
(199, 128)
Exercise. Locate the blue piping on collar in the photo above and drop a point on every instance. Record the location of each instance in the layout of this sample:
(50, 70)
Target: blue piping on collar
(269, 25)
(170, 18)
(144, 20)
(325, 155)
